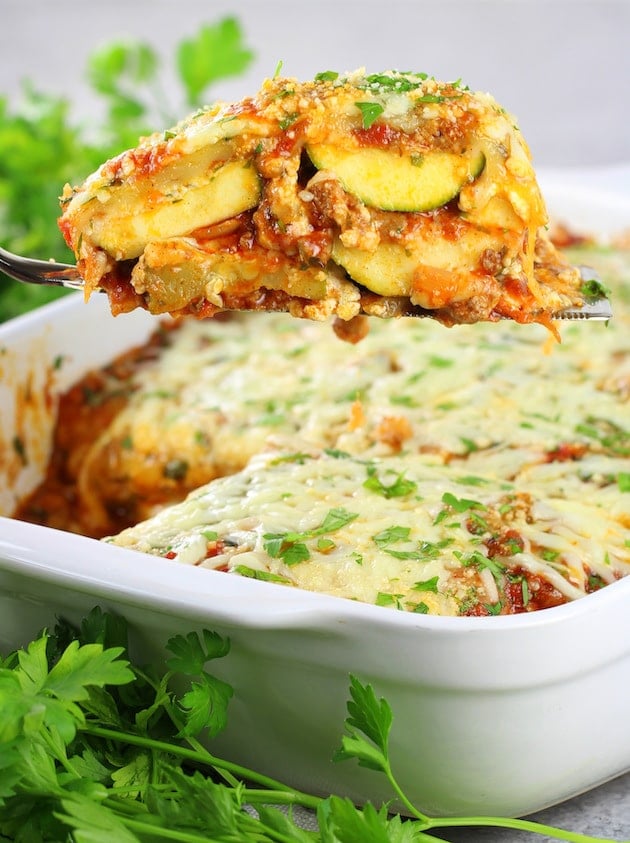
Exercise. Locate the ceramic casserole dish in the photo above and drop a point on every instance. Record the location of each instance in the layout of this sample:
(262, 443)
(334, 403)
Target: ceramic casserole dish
(495, 715)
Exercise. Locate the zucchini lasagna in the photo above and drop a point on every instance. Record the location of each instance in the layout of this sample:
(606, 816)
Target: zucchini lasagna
(477, 472)
(385, 194)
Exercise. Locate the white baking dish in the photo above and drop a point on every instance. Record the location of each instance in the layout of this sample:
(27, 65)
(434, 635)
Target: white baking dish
(501, 715)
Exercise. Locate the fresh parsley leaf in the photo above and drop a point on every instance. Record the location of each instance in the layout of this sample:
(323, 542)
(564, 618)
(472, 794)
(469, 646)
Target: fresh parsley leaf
(83, 666)
(134, 776)
(255, 574)
(205, 706)
(216, 52)
(370, 112)
(346, 823)
(427, 585)
(335, 519)
(399, 488)
(192, 652)
(479, 561)
(455, 504)
(294, 553)
(386, 598)
(326, 76)
(94, 822)
(390, 535)
(369, 715)
(461, 504)
(336, 453)
(286, 546)
(593, 288)
(623, 481)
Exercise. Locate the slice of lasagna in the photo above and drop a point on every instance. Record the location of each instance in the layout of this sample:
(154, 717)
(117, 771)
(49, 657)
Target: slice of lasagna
(387, 194)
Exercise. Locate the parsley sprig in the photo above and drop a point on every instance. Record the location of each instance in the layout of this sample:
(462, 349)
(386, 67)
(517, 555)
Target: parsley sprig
(94, 748)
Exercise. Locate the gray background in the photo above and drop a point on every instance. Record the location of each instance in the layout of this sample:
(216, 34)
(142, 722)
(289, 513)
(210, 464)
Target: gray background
(561, 66)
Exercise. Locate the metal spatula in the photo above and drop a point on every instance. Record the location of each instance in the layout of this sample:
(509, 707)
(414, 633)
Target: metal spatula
(49, 273)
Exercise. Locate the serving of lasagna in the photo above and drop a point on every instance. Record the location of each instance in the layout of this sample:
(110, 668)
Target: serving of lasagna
(468, 472)
(385, 194)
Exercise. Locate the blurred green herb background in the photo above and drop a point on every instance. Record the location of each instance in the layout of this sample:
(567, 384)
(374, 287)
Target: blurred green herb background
(43, 147)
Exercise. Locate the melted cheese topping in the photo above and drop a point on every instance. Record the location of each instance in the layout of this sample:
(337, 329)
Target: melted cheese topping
(483, 474)
(400, 532)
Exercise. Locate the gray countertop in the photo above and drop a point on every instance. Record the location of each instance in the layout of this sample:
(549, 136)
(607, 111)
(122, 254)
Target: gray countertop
(603, 813)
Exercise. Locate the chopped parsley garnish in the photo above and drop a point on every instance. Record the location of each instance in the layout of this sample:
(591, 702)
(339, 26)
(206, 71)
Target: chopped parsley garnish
(288, 121)
(392, 535)
(299, 457)
(403, 400)
(271, 419)
(370, 112)
(291, 547)
(461, 504)
(256, 574)
(481, 562)
(525, 591)
(594, 289)
(394, 82)
(472, 480)
(399, 488)
(327, 76)
(423, 550)
(20, 449)
(427, 585)
(384, 598)
(609, 434)
(433, 98)
(201, 437)
(175, 469)
(440, 362)
(336, 453)
(455, 504)
(469, 444)
(623, 481)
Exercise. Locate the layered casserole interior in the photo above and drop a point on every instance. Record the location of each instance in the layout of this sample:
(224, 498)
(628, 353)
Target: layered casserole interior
(451, 472)
(383, 194)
